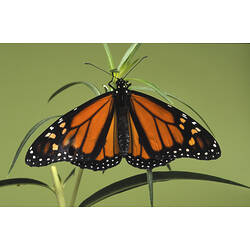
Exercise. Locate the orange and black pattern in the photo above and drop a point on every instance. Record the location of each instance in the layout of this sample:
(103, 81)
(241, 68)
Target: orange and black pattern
(122, 123)
(160, 133)
(86, 137)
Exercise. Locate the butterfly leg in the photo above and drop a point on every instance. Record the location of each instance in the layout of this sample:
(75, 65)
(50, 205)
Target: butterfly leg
(109, 83)
(105, 88)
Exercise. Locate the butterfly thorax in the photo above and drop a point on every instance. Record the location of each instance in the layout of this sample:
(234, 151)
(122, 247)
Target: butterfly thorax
(122, 100)
(121, 91)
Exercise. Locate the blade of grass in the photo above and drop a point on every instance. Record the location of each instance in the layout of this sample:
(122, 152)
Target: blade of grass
(151, 85)
(71, 174)
(95, 90)
(141, 179)
(27, 136)
(142, 88)
(109, 56)
(128, 55)
(130, 67)
(150, 186)
(126, 69)
(24, 181)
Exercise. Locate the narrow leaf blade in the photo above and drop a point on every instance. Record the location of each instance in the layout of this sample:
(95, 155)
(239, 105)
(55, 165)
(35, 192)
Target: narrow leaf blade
(153, 86)
(91, 86)
(109, 56)
(128, 55)
(24, 181)
(141, 88)
(124, 70)
(141, 179)
(27, 136)
(150, 186)
(71, 174)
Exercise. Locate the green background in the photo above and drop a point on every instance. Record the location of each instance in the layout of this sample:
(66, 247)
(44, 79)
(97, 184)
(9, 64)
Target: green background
(213, 78)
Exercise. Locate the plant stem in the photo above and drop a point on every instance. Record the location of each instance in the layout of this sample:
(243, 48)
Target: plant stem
(150, 185)
(77, 184)
(58, 187)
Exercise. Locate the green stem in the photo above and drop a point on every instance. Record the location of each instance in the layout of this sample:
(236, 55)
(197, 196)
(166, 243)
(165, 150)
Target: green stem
(150, 185)
(77, 184)
(58, 187)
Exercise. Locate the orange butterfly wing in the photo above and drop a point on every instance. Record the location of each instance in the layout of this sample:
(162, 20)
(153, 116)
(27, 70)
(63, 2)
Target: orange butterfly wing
(160, 133)
(85, 136)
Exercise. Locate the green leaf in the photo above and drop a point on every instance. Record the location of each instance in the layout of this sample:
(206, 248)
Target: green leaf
(59, 177)
(128, 55)
(27, 136)
(69, 176)
(95, 90)
(110, 58)
(179, 100)
(150, 186)
(141, 179)
(127, 68)
(152, 86)
(141, 88)
(24, 181)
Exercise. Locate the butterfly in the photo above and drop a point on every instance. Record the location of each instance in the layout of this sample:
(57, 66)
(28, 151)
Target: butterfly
(122, 123)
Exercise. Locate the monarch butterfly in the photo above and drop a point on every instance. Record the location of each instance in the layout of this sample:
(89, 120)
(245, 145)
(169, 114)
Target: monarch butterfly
(122, 123)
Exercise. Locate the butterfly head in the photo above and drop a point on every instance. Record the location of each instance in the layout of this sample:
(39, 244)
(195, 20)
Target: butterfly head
(122, 84)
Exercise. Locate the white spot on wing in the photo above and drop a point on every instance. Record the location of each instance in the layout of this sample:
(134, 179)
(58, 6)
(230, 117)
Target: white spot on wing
(198, 129)
(48, 134)
(60, 120)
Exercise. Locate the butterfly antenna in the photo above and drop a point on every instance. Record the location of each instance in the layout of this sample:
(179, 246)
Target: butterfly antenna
(97, 68)
(136, 65)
